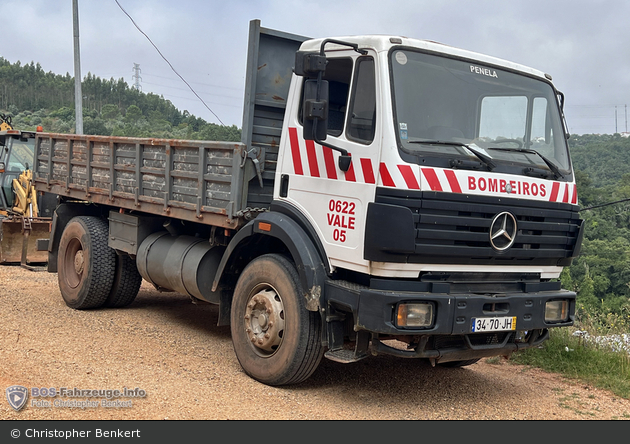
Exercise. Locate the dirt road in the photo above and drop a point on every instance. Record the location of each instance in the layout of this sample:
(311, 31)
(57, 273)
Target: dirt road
(173, 351)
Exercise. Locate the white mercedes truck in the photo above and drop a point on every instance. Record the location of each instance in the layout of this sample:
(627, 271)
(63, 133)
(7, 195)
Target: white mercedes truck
(389, 196)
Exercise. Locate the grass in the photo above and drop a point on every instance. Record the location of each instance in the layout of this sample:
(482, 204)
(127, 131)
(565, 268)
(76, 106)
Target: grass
(567, 355)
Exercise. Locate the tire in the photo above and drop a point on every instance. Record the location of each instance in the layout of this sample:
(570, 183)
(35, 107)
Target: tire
(457, 364)
(276, 339)
(86, 264)
(126, 284)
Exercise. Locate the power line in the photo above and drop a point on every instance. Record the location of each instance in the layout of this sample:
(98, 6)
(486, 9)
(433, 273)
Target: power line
(605, 204)
(166, 60)
(184, 89)
(197, 83)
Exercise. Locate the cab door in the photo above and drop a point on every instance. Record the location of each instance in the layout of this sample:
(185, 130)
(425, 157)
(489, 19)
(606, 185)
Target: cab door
(310, 178)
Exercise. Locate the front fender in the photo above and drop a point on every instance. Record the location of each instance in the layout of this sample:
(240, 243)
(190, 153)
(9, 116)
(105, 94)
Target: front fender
(309, 264)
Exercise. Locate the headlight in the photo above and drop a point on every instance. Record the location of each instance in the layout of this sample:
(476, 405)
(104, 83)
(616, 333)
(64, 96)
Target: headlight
(414, 315)
(556, 311)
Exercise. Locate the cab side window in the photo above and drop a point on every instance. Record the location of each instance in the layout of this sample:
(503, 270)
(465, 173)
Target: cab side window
(362, 116)
(338, 73)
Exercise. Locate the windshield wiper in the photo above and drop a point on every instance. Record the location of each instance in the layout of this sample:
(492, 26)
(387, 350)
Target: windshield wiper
(487, 160)
(552, 166)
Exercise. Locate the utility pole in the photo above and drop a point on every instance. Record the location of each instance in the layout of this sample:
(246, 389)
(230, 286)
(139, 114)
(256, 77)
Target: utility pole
(136, 76)
(616, 120)
(78, 95)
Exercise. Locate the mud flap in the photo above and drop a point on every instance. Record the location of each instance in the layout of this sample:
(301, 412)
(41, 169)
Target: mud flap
(19, 238)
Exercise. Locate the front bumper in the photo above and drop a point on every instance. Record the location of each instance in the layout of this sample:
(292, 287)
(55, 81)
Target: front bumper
(454, 312)
(450, 337)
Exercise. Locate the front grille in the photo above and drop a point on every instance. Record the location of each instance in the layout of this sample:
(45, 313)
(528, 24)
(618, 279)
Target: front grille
(455, 228)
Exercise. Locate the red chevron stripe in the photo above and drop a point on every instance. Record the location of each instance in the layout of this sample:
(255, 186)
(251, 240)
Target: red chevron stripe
(385, 176)
(312, 158)
(565, 198)
(410, 178)
(368, 172)
(350, 177)
(554, 192)
(452, 181)
(295, 151)
(329, 161)
(431, 177)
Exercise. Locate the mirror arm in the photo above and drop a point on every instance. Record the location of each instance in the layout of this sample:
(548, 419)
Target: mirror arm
(344, 159)
(340, 42)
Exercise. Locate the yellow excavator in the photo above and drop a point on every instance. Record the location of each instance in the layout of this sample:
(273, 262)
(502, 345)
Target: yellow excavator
(24, 222)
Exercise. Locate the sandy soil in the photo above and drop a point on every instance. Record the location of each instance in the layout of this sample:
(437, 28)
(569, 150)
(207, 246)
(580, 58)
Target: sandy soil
(173, 350)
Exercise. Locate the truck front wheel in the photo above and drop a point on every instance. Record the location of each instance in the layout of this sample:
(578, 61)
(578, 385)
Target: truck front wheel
(86, 264)
(276, 339)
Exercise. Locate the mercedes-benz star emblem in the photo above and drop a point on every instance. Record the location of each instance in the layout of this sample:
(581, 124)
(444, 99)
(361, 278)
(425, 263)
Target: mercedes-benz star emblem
(503, 231)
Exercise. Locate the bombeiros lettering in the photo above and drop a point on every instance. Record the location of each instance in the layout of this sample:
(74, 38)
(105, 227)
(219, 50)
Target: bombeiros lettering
(492, 185)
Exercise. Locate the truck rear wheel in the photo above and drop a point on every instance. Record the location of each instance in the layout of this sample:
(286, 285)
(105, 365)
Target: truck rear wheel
(86, 264)
(126, 284)
(276, 339)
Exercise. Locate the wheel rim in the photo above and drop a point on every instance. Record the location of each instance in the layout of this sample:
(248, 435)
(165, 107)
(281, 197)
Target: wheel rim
(74, 263)
(264, 320)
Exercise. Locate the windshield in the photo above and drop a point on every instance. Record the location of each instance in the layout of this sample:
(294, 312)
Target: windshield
(22, 154)
(511, 118)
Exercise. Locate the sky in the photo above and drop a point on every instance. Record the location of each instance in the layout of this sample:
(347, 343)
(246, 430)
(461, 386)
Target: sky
(583, 45)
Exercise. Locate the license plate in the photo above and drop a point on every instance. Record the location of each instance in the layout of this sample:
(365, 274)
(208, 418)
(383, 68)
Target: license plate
(505, 323)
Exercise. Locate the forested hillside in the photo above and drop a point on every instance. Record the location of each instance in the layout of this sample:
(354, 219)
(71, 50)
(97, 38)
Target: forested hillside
(605, 158)
(601, 275)
(33, 97)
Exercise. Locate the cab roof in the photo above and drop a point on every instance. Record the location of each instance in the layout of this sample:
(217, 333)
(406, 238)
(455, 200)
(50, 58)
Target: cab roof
(383, 43)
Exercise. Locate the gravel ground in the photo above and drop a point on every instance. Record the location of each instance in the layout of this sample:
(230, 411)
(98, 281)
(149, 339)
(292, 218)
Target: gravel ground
(174, 351)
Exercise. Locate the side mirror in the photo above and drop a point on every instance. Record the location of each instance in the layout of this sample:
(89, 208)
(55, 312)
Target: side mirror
(315, 110)
(309, 64)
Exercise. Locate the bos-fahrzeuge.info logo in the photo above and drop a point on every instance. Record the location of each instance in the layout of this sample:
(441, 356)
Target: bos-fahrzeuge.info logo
(18, 395)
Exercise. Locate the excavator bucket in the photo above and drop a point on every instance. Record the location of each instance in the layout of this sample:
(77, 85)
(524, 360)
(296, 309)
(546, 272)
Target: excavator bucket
(18, 240)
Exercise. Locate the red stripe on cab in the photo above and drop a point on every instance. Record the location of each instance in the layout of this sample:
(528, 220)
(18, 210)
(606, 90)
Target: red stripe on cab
(329, 161)
(431, 177)
(295, 151)
(385, 176)
(410, 178)
(554, 192)
(312, 158)
(368, 172)
(565, 198)
(452, 181)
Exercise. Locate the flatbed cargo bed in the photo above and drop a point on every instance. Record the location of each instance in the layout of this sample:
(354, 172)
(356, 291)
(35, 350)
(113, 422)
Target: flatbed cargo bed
(184, 179)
